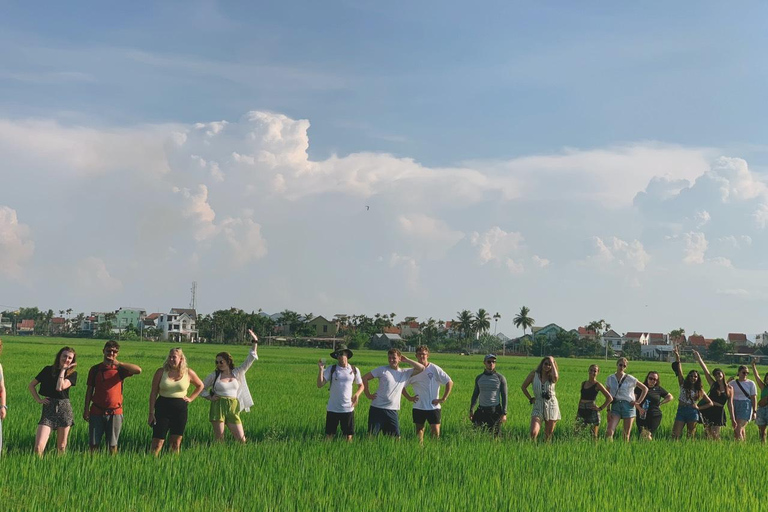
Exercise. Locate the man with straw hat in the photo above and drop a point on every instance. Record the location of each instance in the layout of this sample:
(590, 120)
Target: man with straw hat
(341, 403)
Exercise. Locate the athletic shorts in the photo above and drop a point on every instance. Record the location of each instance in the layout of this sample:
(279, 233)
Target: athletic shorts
(762, 416)
(108, 425)
(57, 413)
(623, 409)
(742, 409)
(385, 421)
(225, 410)
(170, 415)
(420, 416)
(686, 414)
(345, 420)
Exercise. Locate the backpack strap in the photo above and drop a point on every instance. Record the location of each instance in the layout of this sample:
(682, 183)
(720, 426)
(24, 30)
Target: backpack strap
(213, 386)
(330, 379)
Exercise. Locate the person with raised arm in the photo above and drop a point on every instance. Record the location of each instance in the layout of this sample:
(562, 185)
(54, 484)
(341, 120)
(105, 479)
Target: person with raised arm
(744, 402)
(169, 402)
(649, 411)
(490, 395)
(426, 399)
(622, 386)
(721, 395)
(546, 409)
(55, 381)
(385, 402)
(588, 413)
(691, 392)
(341, 377)
(762, 406)
(104, 397)
(227, 390)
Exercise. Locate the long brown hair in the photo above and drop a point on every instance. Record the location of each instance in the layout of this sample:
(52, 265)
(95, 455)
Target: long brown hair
(228, 358)
(56, 368)
(540, 368)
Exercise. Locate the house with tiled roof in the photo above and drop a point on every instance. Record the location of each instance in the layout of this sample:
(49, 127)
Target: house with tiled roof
(410, 328)
(585, 334)
(739, 341)
(58, 325)
(698, 341)
(178, 325)
(25, 328)
(657, 338)
(613, 339)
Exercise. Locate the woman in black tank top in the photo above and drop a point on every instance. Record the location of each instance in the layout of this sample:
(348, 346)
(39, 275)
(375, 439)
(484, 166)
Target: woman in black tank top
(588, 414)
(720, 393)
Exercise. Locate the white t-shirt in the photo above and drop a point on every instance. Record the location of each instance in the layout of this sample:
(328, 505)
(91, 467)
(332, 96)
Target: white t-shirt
(391, 384)
(749, 387)
(427, 385)
(627, 390)
(340, 399)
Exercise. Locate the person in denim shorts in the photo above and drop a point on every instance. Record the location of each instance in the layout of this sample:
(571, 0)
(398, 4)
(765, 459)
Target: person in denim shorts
(744, 402)
(691, 392)
(622, 386)
(762, 405)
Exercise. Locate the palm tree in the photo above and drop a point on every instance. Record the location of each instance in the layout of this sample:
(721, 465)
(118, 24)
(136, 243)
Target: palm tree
(523, 320)
(464, 322)
(482, 321)
(599, 327)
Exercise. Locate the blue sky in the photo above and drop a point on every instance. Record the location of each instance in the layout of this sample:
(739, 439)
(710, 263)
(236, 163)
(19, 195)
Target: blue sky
(587, 161)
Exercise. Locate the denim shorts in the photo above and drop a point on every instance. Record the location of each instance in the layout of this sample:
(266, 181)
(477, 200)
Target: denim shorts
(623, 409)
(762, 416)
(687, 414)
(742, 409)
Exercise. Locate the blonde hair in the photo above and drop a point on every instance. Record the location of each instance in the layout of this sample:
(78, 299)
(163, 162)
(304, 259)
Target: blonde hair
(182, 363)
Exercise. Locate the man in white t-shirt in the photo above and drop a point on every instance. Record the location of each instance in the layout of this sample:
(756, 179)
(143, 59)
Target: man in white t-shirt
(426, 394)
(342, 401)
(385, 402)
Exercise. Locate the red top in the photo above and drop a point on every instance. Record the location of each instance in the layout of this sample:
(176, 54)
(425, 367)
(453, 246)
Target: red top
(107, 383)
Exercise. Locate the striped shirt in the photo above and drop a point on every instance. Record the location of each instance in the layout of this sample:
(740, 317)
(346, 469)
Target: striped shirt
(491, 389)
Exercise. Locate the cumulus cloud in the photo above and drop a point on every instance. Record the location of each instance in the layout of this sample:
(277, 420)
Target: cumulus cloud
(498, 245)
(737, 242)
(16, 246)
(620, 253)
(735, 181)
(539, 261)
(431, 235)
(701, 218)
(94, 278)
(197, 208)
(245, 240)
(695, 247)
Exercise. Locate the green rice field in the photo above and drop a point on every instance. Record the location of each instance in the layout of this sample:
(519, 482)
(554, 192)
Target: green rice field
(288, 466)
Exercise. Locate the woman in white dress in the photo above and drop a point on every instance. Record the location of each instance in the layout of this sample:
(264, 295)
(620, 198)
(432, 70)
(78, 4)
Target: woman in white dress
(544, 400)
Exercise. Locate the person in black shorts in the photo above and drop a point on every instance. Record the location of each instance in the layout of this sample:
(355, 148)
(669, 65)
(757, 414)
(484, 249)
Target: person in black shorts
(720, 393)
(490, 395)
(649, 412)
(588, 414)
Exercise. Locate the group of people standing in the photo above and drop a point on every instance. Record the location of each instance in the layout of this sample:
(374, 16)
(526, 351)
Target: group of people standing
(175, 386)
(626, 398)
(226, 388)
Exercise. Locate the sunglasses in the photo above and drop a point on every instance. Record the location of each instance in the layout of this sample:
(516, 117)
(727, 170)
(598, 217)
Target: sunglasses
(621, 365)
(652, 378)
(220, 361)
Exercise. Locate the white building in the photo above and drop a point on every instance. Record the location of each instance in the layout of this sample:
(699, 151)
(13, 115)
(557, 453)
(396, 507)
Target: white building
(178, 325)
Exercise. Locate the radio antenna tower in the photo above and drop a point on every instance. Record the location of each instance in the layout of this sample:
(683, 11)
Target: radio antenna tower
(193, 300)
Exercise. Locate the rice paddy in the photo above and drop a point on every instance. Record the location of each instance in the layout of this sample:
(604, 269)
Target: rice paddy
(287, 466)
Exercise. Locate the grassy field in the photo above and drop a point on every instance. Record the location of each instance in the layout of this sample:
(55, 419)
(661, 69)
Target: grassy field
(287, 465)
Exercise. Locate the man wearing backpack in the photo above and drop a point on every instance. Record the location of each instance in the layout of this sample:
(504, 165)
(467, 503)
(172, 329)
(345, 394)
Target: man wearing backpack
(342, 401)
(426, 394)
(104, 397)
(385, 402)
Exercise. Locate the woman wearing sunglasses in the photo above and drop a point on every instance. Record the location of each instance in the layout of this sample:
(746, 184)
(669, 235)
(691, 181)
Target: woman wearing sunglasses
(545, 406)
(721, 395)
(649, 410)
(744, 402)
(228, 392)
(622, 386)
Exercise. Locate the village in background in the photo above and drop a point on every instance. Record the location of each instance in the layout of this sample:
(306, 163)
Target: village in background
(468, 333)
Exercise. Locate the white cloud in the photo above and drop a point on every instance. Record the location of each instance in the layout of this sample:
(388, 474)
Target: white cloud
(497, 245)
(93, 277)
(16, 246)
(735, 181)
(695, 247)
(701, 218)
(760, 216)
(514, 267)
(197, 208)
(721, 261)
(736, 242)
(431, 235)
(245, 240)
(617, 252)
(410, 267)
(540, 262)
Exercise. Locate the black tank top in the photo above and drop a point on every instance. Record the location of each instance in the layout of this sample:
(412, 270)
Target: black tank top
(717, 396)
(588, 393)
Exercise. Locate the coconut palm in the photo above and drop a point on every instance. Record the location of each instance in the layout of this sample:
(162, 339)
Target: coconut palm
(482, 321)
(523, 320)
(599, 327)
(464, 322)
